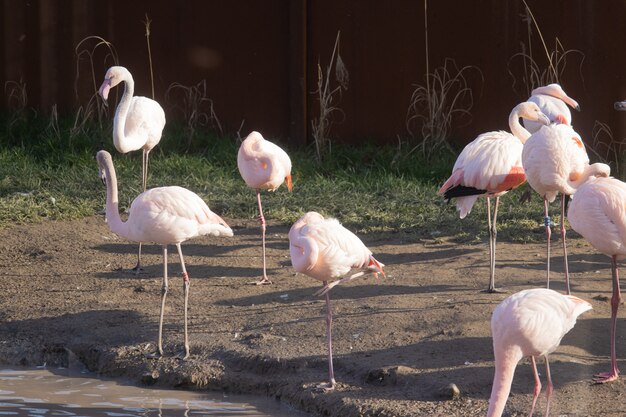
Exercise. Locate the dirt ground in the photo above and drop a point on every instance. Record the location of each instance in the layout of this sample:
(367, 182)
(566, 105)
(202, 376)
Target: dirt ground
(68, 299)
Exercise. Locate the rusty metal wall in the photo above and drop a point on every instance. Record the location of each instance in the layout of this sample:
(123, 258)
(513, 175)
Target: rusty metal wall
(259, 57)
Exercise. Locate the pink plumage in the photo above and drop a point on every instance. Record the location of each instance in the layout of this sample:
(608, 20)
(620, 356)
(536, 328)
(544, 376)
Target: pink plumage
(529, 323)
(489, 166)
(263, 165)
(553, 102)
(598, 213)
(555, 161)
(164, 215)
(323, 249)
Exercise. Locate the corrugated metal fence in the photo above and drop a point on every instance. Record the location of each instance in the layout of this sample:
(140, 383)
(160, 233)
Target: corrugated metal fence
(258, 58)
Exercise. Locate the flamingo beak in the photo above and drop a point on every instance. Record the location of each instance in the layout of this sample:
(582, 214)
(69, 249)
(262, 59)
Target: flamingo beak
(104, 89)
(543, 119)
(288, 182)
(571, 102)
(376, 267)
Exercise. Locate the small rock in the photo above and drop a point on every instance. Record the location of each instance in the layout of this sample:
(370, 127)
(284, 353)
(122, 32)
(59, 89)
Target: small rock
(150, 378)
(451, 391)
(601, 298)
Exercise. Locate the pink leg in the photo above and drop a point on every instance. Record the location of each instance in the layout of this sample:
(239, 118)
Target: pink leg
(138, 269)
(566, 268)
(164, 288)
(613, 374)
(185, 354)
(537, 386)
(549, 388)
(329, 336)
(493, 232)
(144, 182)
(265, 280)
(546, 222)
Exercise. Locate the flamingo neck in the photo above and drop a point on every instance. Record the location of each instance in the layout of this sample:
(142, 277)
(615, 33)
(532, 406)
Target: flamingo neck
(112, 203)
(591, 171)
(517, 129)
(502, 380)
(124, 143)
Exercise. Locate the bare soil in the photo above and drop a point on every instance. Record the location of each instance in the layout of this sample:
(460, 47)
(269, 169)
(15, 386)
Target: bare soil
(68, 299)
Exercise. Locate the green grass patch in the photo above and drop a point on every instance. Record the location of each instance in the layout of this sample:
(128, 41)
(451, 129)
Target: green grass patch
(370, 189)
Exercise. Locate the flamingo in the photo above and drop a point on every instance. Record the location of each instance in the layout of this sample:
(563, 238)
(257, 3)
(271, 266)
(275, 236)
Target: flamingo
(529, 323)
(138, 123)
(490, 166)
(164, 215)
(553, 102)
(555, 160)
(323, 249)
(263, 165)
(598, 213)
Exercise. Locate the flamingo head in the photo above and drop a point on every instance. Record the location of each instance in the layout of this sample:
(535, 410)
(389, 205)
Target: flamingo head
(103, 158)
(113, 77)
(531, 111)
(620, 105)
(555, 90)
(376, 267)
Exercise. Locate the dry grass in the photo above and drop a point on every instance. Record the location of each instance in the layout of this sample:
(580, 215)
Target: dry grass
(605, 148)
(146, 24)
(195, 108)
(327, 98)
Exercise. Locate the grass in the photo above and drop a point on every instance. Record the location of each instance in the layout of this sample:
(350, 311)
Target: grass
(369, 189)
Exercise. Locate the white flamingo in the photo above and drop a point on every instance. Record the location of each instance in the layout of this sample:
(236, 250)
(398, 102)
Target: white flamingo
(553, 102)
(163, 215)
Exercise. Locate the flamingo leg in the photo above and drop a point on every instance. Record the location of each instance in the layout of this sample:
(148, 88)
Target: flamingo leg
(613, 374)
(546, 222)
(493, 232)
(138, 269)
(164, 288)
(549, 388)
(265, 280)
(566, 268)
(537, 386)
(185, 354)
(144, 182)
(329, 337)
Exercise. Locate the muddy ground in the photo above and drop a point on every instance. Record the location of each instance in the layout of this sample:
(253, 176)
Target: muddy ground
(68, 299)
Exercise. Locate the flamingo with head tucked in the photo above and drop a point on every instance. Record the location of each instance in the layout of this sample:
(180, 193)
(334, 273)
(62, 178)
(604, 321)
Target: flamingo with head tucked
(263, 165)
(490, 166)
(529, 323)
(553, 102)
(323, 249)
(598, 213)
(138, 123)
(555, 160)
(163, 215)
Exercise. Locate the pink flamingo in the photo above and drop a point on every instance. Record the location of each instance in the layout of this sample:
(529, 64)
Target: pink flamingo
(553, 102)
(490, 166)
(529, 323)
(323, 249)
(263, 166)
(163, 215)
(138, 123)
(598, 213)
(555, 160)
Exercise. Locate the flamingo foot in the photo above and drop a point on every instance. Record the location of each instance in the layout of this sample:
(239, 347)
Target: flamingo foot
(604, 377)
(326, 386)
(154, 355)
(494, 290)
(264, 281)
(183, 355)
(137, 270)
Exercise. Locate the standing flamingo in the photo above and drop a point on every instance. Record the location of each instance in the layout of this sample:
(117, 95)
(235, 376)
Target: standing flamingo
(529, 323)
(138, 123)
(598, 213)
(164, 215)
(323, 249)
(553, 102)
(490, 166)
(555, 160)
(263, 166)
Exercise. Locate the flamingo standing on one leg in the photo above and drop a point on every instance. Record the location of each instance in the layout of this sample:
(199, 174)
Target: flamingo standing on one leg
(138, 123)
(529, 323)
(555, 160)
(323, 249)
(598, 213)
(490, 166)
(263, 166)
(164, 215)
(553, 102)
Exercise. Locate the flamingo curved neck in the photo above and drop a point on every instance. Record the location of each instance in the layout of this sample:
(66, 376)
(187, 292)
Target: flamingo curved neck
(505, 370)
(516, 128)
(124, 143)
(112, 203)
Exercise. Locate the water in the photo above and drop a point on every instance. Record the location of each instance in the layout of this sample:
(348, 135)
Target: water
(43, 393)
